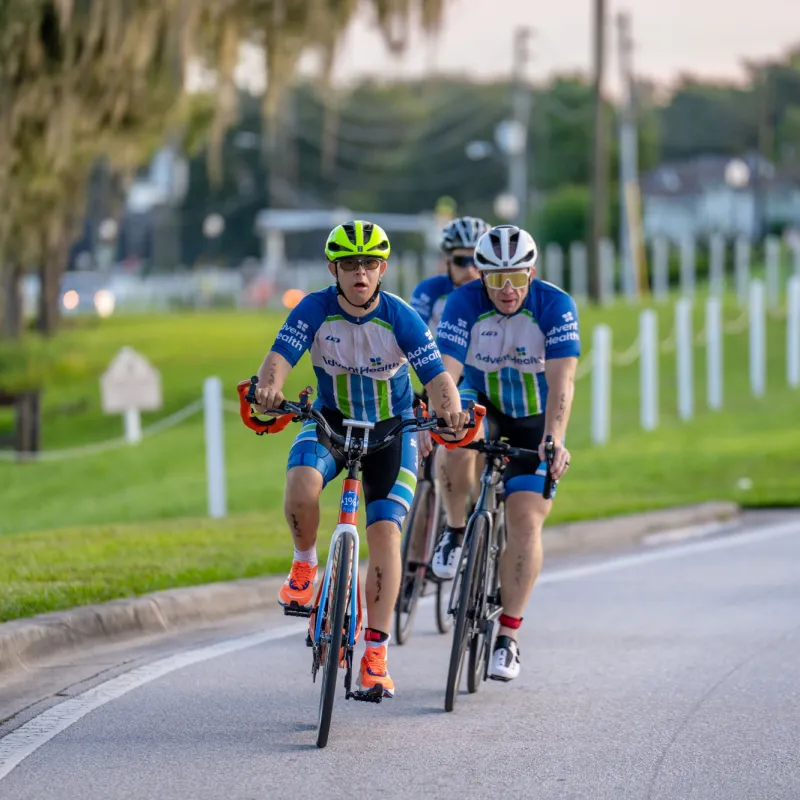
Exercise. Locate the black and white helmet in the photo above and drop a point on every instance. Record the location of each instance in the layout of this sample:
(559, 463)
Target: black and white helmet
(463, 232)
(505, 247)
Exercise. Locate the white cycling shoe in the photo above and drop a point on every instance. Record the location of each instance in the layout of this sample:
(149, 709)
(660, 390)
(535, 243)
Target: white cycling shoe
(446, 557)
(505, 664)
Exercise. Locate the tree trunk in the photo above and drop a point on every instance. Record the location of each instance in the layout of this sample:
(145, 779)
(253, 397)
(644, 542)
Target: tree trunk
(11, 293)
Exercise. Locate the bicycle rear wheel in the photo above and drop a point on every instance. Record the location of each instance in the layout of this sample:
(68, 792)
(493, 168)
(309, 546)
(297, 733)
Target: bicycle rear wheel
(332, 629)
(468, 602)
(413, 581)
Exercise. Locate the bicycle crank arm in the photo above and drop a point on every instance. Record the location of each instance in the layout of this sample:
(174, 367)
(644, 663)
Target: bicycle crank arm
(295, 610)
(374, 695)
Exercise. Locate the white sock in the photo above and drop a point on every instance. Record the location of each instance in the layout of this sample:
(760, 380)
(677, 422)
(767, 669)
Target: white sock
(309, 555)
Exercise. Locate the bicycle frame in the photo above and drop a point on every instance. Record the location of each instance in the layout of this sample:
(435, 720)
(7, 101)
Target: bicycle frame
(348, 523)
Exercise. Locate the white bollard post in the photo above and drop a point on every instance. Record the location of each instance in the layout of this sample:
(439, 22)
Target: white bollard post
(606, 271)
(554, 265)
(133, 426)
(684, 347)
(796, 256)
(716, 267)
(758, 344)
(742, 268)
(215, 447)
(648, 364)
(601, 383)
(660, 269)
(793, 333)
(772, 257)
(714, 352)
(687, 266)
(578, 272)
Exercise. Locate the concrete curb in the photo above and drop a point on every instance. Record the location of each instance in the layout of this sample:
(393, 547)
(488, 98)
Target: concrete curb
(27, 642)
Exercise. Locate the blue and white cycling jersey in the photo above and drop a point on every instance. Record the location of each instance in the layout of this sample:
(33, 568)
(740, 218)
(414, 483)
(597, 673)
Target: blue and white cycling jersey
(429, 298)
(361, 363)
(504, 356)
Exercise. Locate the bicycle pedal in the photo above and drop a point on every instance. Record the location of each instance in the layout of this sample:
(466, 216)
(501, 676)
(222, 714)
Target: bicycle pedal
(373, 695)
(309, 641)
(296, 610)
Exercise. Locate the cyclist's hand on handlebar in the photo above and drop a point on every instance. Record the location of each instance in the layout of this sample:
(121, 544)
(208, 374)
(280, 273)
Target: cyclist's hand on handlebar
(456, 420)
(560, 459)
(267, 397)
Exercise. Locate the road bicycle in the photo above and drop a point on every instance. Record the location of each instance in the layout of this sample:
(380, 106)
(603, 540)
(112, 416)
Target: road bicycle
(336, 615)
(475, 600)
(424, 524)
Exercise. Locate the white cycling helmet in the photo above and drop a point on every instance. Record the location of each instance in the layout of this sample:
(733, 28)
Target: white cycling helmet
(505, 247)
(463, 232)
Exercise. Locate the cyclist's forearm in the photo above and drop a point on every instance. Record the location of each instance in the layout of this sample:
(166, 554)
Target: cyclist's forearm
(560, 374)
(443, 393)
(454, 369)
(273, 372)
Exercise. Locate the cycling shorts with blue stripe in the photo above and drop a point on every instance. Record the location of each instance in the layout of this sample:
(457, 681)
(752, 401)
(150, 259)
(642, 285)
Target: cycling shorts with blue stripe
(521, 475)
(389, 476)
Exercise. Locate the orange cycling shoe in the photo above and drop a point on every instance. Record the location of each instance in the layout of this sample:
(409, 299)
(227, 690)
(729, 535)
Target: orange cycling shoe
(298, 588)
(374, 671)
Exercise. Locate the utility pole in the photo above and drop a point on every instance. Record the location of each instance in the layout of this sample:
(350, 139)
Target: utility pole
(630, 232)
(518, 140)
(598, 153)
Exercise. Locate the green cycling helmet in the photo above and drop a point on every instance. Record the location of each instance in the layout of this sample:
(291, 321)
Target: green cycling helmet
(358, 237)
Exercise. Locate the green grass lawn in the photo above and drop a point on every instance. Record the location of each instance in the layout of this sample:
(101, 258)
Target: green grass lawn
(131, 520)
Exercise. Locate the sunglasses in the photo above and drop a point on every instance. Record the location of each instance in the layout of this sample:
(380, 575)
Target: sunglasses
(497, 280)
(353, 263)
(463, 261)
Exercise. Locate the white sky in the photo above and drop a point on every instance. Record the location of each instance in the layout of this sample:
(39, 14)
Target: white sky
(708, 37)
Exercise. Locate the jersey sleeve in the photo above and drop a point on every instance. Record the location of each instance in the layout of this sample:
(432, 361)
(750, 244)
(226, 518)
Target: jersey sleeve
(297, 333)
(416, 341)
(558, 320)
(422, 302)
(453, 332)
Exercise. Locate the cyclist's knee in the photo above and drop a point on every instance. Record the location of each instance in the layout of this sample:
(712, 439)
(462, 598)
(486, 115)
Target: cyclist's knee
(303, 488)
(457, 468)
(526, 509)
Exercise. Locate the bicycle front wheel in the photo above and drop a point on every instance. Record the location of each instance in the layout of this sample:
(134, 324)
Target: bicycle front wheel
(469, 601)
(332, 631)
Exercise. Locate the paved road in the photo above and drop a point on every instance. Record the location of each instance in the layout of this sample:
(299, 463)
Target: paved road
(671, 673)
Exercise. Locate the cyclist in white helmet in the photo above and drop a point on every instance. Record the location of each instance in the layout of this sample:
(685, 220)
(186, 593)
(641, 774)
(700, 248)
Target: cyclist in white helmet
(516, 342)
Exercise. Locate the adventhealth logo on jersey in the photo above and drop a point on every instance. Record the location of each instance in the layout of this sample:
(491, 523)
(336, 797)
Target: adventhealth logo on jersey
(521, 352)
(568, 317)
(333, 339)
(295, 336)
(453, 333)
(376, 365)
(489, 333)
(568, 332)
(518, 357)
(424, 354)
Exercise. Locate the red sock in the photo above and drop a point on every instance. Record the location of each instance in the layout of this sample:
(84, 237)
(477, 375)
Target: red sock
(510, 622)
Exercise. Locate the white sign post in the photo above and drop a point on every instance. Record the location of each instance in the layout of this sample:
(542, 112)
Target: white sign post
(215, 448)
(130, 385)
(793, 334)
(648, 377)
(758, 339)
(601, 384)
(714, 352)
(684, 346)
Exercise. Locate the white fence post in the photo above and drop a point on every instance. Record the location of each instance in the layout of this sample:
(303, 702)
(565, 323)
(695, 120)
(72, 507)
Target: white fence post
(741, 255)
(660, 268)
(554, 264)
(758, 344)
(601, 383)
(717, 264)
(714, 352)
(607, 282)
(684, 347)
(578, 273)
(687, 266)
(772, 256)
(793, 333)
(215, 447)
(133, 425)
(648, 365)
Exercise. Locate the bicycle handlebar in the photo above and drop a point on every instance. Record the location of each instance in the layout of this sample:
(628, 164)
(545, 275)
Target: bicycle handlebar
(304, 411)
(497, 448)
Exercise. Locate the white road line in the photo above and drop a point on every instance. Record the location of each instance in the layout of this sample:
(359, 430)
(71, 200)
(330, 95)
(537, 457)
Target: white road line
(28, 738)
